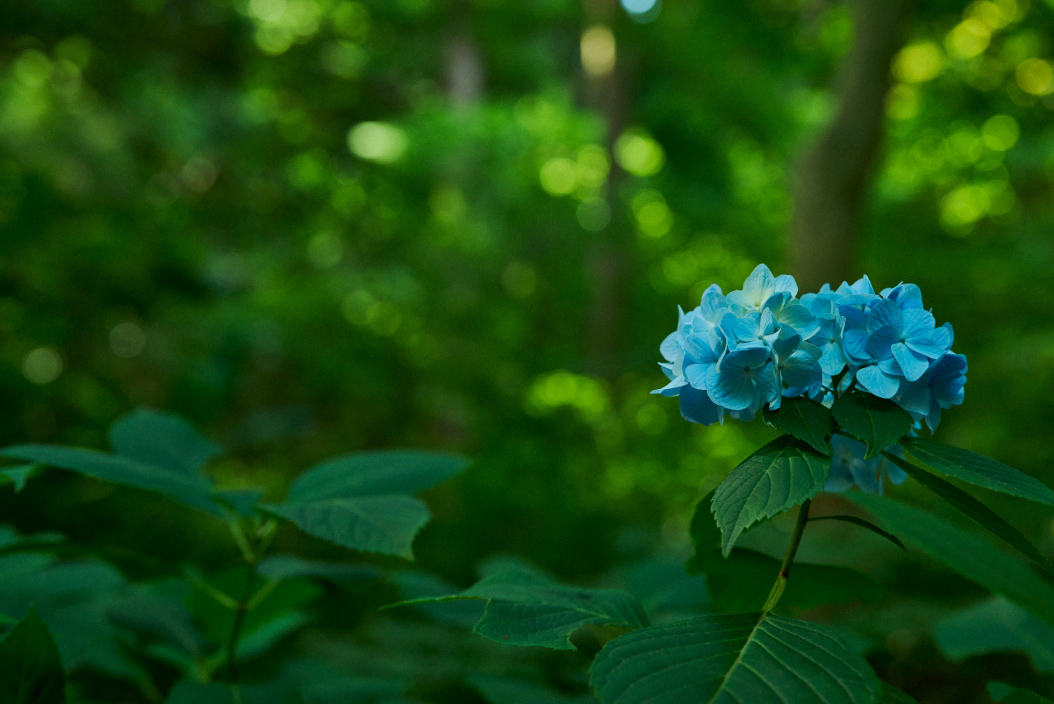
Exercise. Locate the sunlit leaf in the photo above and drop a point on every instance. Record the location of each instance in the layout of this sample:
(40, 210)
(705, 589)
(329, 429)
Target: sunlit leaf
(782, 474)
(755, 658)
(874, 421)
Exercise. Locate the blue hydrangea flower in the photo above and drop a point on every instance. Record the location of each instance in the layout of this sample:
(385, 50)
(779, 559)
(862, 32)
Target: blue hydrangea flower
(940, 387)
(849, 468)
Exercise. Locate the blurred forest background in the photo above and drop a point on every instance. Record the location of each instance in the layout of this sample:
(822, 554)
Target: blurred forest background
(318, 226)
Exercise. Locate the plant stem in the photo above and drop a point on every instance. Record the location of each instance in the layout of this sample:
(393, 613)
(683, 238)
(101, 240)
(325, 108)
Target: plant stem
(239, 620)
(792, 549)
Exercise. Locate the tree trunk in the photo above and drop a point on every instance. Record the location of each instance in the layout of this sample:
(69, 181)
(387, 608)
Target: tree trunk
(833, 175)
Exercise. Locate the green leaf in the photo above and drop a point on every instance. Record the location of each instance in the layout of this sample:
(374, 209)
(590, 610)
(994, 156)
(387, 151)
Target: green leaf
(526, 607)
(997, 625)
(977, 470)
(30, 666)
(380, 524)
(874, 421)
(970, 555)
(806, 420)
(892, 695)
(17, 475)
(975, 510)
(863, 524)
(1006, 694)
(373, 473)
(747, 658)
(162, 440)
(782, 474)
(741, 582)
(193, 692)
(703, 529)
(193, 491)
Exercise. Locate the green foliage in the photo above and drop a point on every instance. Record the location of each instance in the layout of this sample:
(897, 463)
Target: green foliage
(1007, 694)
(892, 695)
(874, 421)
(978, 470)
(191, 692)
(976, 511)
(162, 440)
(863, 523)
(970, 555)
(525, 607)
(17, 476)
(997, 625)
(30, 667)
(804, 419)
(755, 657)
(779, 476)
(374, 473)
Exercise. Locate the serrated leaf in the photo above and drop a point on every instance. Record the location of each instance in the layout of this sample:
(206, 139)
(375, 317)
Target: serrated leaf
(373, 473)
(806, 420)
(863, 524)
(782, 474)
(741, 582)
(1003, 693)
(874, 421)
(380, 524)
(997, 625)
(30, 667)
(193, 692)
(527, 608)
(976, 511)
(978, 470)
(892, 695)
(970, 555)
(755, 658)
(192, 491)
(163, 440)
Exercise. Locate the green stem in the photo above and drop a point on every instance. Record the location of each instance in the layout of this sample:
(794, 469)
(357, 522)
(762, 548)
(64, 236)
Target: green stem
(240, 609)
(788, 559)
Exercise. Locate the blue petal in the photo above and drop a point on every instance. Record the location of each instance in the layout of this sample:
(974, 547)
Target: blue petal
(767, 385)
(670, 347)
(673, 388)
(832, 361)
(730, 387)
(885, 314)
(880, 341)
(913, 365)
(712, 304)
(877, 382)
(697, 407)
(786, 283)
(854, 344)
(802, 369)
(696, 375)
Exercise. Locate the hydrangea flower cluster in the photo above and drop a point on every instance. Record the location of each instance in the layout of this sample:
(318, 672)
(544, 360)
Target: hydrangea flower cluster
(735, 354)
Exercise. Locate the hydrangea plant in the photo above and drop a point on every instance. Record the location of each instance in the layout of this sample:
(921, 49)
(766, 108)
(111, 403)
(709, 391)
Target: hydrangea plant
(853, 379)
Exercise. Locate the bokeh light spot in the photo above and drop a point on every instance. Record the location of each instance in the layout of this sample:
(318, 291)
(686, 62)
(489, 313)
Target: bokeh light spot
(919, 63)
(593, 214)
(558, 176)
(638, 153)
(1000, 132)
(968, 39)
(1035, 76)
(42, 366)
(598, 51)
(127, 340)
(377, 141)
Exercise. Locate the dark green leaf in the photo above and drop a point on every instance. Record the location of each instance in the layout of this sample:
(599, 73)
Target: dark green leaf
(741, 582)
(30, 667)
(527, 608)
(508, 690)
(863, 524)
(975, 510)
(287, 566)
(188, 490)
(997, 625)
(1006, 694)
(978, 470)
(162, 440)
(380, 524)
(804, 419)
(703, 529)
(18, 475)
(372, 473)
(892, 695)
(782, 474)
(747, 658)
(970, 555)
(192, 692)
(874, 421)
